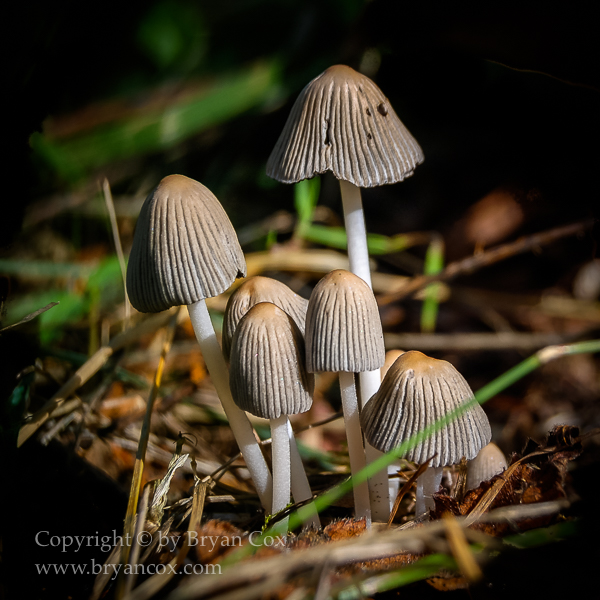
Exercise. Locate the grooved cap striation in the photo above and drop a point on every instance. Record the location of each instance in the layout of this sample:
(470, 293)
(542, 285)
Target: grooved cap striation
(342, 122)
(343, 327)
(416, 391)
(184, 248)
(267, 374)
(261, 289)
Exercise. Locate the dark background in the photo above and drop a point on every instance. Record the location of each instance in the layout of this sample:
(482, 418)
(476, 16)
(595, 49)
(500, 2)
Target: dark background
(499, 96)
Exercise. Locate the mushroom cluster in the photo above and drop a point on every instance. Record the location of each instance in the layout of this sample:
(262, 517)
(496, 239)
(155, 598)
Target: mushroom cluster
(185, 250)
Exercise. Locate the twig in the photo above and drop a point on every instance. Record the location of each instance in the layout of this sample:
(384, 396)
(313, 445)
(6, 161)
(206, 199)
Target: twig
(503, 340)
(110, 206)
(155, 583)
(30, 316)
(143, 444)
(478, 261)
(89, 369)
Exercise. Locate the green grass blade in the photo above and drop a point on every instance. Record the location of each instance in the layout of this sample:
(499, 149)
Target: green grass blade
(434, 264)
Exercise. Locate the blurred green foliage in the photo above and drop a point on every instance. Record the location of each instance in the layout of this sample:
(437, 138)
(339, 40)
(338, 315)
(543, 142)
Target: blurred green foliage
(84, 286)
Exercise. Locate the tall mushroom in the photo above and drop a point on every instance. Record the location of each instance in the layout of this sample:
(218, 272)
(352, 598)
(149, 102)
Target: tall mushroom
(417, 391)
(344, 335)
(341, 122)
(269, 380)
(185, 250)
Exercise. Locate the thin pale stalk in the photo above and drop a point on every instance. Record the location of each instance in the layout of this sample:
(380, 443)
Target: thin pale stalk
(300, 487)
(238, 421)
(358, 255)
(354, 219)
(362, 505)
(379, 489)
(280, 447)
(427, 484)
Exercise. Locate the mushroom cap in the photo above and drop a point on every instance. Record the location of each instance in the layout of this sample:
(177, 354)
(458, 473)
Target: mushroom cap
(267, 374)
(343, 327)
(342, 122)
(416, 391)
(184, 248)
(261, 289)
(489, 462)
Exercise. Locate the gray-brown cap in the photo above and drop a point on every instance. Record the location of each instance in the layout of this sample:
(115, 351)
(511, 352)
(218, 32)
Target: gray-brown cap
(261, 289)
(489, 462)
(417, 391)
(342, 122)
(184, 248)
(267, 374)
(343, 326)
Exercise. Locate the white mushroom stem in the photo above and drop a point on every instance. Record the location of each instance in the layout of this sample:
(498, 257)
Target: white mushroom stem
(238, 421)
(300, 487)
(280, 447)
(379, 489)
(362, 505)
(358, 255)
(356, 231)
(427, 484)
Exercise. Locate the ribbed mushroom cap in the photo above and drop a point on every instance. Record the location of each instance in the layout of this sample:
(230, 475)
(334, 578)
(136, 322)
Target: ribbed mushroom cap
(417, 391)
(184, 247)
(267, 374)
(489, 462)
(343, 326)
(342, 122)
(261, 289)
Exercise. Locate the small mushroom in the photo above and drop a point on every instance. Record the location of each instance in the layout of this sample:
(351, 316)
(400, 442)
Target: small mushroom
(185, 250)
(344, 335)
(489, 462)
(417, 391)
(261, 289)
(269, 380)
(251, 292)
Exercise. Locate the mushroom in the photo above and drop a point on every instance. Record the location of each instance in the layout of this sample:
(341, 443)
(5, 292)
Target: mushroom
(489, 462)
(251, 292)
(185, 250)
(344, 335)
(269, 380)
(417, 391)
(261, 289)
(341, 122)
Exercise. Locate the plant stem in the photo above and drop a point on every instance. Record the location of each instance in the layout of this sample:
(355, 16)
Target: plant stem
(362, 506)
(238, 421)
